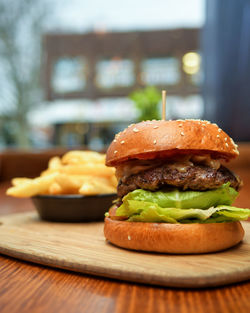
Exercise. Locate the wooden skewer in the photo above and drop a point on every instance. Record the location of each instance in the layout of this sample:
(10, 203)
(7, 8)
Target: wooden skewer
(163, 113)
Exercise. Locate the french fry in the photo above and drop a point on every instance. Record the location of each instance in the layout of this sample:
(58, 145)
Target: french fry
(83, 157)
(113, 181)
(95, 187)
(88, 169)
(49, 172)
(70, 184)
(19, 180)
(54, 163)
(55, 189)
(32, 187)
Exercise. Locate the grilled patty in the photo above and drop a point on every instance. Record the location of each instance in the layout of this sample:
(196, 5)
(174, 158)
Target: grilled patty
(194, 177)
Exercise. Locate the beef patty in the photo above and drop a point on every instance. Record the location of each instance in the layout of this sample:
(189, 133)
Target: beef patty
(194, 177)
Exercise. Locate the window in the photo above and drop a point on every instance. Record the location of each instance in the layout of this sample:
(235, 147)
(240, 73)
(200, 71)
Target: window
(114, 73)
(185, 107)
(69, 75)
(160, 71)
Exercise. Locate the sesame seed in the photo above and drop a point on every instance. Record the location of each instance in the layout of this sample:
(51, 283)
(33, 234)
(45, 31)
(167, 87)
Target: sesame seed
(129, 238)
(218, 136)
(115, 151)
(135, 130)
(156, 127)
(122, 142)
(226, 144)
(180, 125)
(115, 140)
(219, 130)
(182, 133)
(155, 142)
(225, 138)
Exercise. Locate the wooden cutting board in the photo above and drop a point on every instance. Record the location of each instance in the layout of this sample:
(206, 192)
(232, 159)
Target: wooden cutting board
(82, 248)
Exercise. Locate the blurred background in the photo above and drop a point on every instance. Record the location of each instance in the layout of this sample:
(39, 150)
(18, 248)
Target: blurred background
(73, 73)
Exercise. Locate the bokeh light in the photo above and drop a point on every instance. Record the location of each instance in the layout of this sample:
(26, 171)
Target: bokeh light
(191, 63)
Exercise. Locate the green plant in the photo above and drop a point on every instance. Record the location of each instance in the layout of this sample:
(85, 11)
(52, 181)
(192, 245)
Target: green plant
(146, 102)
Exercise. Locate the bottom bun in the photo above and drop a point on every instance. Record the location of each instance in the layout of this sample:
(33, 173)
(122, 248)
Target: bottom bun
(173, 238)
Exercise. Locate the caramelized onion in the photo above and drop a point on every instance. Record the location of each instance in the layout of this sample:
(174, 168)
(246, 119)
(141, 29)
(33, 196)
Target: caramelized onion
(181, 163)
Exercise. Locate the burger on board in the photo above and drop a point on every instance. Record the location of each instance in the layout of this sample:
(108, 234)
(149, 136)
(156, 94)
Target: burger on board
(174, 196)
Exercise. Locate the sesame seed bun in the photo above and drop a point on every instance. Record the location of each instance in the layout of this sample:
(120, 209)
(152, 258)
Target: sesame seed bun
(173, 238)
(159, 139)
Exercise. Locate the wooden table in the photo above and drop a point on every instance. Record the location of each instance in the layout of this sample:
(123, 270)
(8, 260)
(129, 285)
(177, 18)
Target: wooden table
(25, 287)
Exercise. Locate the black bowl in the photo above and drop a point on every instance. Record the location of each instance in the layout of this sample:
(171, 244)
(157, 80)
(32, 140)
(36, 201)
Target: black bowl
(73, 208)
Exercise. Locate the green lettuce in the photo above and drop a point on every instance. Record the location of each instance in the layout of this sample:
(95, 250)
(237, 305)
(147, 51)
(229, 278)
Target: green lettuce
(225, 195)
(175, 206)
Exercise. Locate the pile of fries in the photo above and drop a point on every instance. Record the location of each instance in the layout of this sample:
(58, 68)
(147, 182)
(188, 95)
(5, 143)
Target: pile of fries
(77, 172)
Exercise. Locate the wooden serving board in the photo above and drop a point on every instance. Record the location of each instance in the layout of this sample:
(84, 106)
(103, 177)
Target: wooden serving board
(82, 248)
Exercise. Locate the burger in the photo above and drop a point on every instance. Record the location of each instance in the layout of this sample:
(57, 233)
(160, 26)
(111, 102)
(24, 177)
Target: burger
(174, 194)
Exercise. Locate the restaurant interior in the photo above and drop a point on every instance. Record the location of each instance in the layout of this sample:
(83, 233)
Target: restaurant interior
(73, 74)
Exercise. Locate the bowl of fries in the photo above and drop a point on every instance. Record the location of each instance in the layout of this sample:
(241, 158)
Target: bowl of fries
(73, 208)
(76, 187)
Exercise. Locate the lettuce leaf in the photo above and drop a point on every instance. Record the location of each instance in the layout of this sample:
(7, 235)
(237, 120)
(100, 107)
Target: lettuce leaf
(176, 206)
(225, 195)
(141, 211)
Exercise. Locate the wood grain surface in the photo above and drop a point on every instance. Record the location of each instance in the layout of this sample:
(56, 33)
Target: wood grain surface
(82, 248)
(25, 287)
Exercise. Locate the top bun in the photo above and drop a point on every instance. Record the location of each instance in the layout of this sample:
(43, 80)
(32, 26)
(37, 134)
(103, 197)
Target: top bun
(159, 139)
